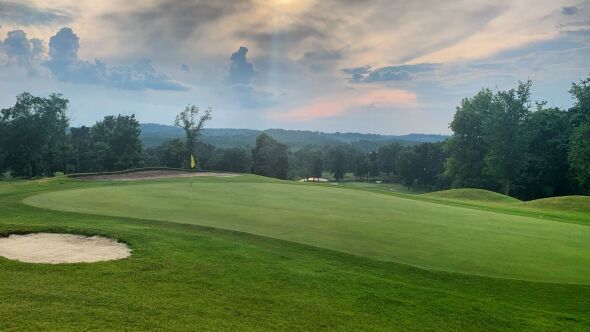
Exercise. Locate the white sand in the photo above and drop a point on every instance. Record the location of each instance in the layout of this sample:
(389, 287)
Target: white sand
(51, 248)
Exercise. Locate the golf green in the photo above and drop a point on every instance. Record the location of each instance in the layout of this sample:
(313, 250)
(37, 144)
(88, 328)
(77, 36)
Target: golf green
(379, 226)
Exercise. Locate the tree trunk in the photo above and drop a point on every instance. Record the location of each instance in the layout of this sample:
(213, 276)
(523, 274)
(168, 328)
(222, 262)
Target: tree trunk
(507, 187)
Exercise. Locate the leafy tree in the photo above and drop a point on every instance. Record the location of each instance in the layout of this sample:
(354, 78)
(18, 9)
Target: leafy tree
(270, 158)
(82, 157)
(580, 112)
(430, 159)
(33, 136)
(388, 156)
(547, 171)
(192, 125)
(373, 164)
(579, 156)
(116, 143)
(505, 134)
(336, 162)
(362, 166)
(172, 153)
(467, 147)
(407, 167)
(307, 162)
(233, 160)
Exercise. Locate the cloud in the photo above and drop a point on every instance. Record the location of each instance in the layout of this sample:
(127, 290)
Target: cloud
(320, 60)
(21, 50)
(251, 98)
(354, 100)
(174, 22)
(240, 71)
(64, 64)
(570, 10)
(21, 14)
(391, 73)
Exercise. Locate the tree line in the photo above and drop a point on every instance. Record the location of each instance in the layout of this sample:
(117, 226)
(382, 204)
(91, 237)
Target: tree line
(501, 141)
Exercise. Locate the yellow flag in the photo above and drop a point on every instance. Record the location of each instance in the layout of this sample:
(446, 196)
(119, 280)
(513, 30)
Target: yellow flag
(193, 163)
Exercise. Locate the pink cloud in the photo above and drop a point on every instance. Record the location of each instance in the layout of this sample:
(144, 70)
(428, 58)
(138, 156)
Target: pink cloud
(353, 100)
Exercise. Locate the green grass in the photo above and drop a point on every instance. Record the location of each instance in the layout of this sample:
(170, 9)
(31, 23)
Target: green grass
(580, 204)
(473, 194)
(374, 186)
(382, 227)
(190, 277)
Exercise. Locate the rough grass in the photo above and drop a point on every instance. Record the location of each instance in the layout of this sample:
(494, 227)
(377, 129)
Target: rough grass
(188, 277)
(474, 195)
(563, 203)
(384, 227)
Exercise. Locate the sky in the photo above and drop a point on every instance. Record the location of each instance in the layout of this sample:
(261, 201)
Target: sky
(373, 66)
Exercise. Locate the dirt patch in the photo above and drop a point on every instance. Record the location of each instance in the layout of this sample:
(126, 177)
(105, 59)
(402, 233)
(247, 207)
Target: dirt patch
(51, 248)
(147, 175)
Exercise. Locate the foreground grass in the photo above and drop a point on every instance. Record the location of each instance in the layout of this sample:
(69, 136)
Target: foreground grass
(374, 225)
(186, 277)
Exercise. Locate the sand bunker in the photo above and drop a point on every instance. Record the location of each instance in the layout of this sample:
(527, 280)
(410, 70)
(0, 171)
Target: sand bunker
(146, 175)
(51, 248)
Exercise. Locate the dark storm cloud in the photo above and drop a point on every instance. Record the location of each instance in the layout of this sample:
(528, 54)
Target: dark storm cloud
(390, 73)
(240, 70)
(64, 64)
(570, 10)
(24, 15)
(20, 49)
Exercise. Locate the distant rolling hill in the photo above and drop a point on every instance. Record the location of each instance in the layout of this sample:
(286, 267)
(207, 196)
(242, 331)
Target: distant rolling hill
(155, 134)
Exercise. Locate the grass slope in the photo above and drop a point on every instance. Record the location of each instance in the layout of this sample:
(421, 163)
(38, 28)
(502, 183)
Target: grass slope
(187, 277)
(474, 195)
(383, 227)
(563, 203)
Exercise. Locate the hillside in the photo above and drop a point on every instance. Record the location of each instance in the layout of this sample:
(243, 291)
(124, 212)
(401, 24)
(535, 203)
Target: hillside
(473, 194)
(155, 134)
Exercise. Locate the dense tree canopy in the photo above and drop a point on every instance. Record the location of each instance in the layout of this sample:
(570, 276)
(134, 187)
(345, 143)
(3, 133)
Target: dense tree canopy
(33, 135)
(270, 158)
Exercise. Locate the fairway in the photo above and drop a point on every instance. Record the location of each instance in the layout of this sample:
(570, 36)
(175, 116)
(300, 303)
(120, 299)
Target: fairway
(374, 225)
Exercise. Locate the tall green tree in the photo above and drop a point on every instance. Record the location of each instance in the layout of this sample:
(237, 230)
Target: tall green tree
(408, 167)
(116, 143)
(506, 135)
(82, 157)
(362, 166)
(33, 137)
(388, 156)
(192, 123)
(336, 162)
(172, 153)
(580, 112)
(270, 158)
(430, 158)
(233, 160)
(579, 156)
(547, 170)
(467, 147)
(307, 162)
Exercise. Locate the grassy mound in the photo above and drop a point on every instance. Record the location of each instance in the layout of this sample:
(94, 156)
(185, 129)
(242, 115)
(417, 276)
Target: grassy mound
(473, 194)
(563, 203)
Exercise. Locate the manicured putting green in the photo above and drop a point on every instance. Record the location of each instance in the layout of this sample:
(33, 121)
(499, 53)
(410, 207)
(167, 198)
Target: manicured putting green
(384, 227)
